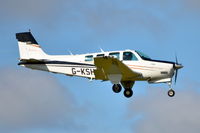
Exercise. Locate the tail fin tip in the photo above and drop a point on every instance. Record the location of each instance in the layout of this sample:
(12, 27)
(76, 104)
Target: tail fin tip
(26, 37)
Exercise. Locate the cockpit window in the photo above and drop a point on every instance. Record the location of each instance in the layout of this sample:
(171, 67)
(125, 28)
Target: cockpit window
(89, 58)
(129, 56)
(143, 56)
(115, 55)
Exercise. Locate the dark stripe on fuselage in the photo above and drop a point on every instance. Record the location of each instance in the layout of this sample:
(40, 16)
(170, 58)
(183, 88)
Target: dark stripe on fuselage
(51, 62)
(161, 61)
(78, 66)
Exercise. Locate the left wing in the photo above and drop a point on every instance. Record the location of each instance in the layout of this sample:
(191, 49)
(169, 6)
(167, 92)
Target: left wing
(109, 68)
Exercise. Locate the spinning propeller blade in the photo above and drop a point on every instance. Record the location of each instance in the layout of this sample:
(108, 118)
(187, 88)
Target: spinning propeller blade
(176, 74)
(176, 67)
(176, 70)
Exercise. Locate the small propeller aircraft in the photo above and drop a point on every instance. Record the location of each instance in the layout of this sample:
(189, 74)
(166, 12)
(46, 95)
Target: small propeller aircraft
(122, 68)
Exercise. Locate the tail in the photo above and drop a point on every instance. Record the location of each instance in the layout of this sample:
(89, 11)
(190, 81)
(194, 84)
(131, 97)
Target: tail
(28, 47)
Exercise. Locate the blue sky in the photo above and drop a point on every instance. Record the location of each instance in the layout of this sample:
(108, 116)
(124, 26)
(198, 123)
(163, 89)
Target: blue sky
(34, 101)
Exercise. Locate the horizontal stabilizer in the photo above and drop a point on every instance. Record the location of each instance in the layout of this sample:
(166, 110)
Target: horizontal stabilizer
(31, 61)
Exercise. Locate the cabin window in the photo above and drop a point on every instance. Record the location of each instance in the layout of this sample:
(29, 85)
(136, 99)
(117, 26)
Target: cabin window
(129, 56)
(100, 55)
(115, 55)
(89, 58)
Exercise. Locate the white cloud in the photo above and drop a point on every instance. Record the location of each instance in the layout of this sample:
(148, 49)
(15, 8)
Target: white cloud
(30, 99)
(180, 114)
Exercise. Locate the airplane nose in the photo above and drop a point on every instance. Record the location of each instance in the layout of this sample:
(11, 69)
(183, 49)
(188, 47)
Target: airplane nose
(178, 66)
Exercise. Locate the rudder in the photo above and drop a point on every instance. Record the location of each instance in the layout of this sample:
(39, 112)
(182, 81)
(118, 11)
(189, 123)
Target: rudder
(28, 46)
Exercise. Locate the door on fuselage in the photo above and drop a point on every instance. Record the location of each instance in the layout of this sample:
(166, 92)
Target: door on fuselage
(130, 59)
(129, 56)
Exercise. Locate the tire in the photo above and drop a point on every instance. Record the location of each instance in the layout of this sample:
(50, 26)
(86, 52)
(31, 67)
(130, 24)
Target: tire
(117, 88)
(128, 93)
(171, 93)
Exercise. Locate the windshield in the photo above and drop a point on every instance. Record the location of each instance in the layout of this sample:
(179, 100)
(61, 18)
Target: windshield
(142, 55)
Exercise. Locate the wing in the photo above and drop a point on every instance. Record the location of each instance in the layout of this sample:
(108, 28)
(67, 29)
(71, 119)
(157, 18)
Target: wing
(109, 68)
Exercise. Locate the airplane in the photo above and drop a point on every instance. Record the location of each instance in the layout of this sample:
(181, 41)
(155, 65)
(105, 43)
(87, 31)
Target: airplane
(121, 68)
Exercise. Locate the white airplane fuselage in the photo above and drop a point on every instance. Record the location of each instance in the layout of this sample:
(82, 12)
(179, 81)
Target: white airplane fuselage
(75, 65)
(123, 67)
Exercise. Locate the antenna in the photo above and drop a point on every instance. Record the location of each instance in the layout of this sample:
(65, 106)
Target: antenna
(102, 50)
(70, 52)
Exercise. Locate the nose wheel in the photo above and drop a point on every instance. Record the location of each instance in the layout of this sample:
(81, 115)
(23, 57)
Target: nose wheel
(171, 93)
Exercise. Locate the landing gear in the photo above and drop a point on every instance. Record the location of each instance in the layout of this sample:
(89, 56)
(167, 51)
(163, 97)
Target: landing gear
(117, 88)
(171, 93)
(127, 88)
(128, 93)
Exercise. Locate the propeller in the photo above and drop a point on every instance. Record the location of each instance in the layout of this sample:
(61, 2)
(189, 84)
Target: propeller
(176, 70)
(176, 67)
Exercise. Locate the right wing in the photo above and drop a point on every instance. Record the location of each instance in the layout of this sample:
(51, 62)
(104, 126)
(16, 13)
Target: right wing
(109, 68)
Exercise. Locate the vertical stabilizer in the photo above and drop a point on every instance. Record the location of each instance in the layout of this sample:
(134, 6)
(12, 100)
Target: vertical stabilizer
(28, 46)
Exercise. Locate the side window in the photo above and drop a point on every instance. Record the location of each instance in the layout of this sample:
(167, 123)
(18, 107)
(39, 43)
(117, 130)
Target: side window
(129, 56)
(89, 58)
(100, 55)
(115, 55)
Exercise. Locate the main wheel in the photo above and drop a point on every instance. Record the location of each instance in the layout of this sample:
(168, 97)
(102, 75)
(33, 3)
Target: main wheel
(171, 93)
(128, 93)
(117, 88)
